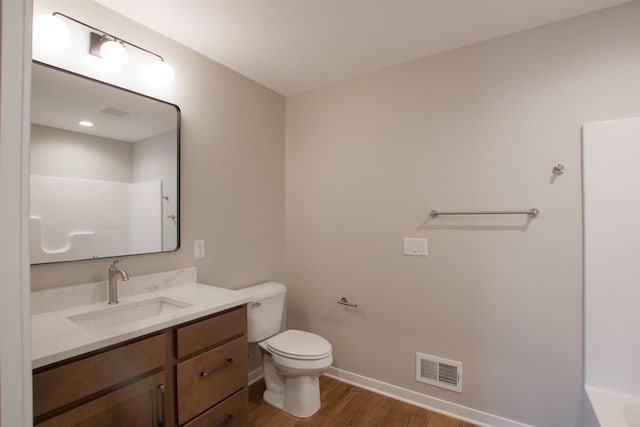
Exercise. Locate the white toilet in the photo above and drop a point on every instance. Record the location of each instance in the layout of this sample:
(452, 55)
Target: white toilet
(292, 360)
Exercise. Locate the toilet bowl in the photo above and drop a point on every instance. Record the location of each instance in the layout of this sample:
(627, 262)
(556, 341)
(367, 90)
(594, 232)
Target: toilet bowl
(292, 360)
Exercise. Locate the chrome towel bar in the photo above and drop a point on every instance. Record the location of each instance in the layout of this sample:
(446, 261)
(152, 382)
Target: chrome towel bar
(533, 212)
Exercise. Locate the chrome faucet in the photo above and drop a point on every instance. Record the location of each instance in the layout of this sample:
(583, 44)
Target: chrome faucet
(114, 272)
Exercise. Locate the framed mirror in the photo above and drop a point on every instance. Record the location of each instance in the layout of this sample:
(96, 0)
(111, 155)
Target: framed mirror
(104, 170)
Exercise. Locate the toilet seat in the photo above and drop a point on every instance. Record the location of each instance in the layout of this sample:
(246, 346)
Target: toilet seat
(299, 345)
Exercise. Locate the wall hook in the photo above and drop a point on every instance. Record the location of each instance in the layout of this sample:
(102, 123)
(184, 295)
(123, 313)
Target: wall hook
(558, 169)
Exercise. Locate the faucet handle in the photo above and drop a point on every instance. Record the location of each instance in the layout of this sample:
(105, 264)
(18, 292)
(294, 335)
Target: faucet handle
(113, 264)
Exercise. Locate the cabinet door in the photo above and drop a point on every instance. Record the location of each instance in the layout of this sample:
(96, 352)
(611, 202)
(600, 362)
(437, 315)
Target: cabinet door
(141, 404)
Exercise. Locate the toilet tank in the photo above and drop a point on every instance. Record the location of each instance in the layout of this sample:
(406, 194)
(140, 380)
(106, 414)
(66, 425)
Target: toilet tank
(264, 314)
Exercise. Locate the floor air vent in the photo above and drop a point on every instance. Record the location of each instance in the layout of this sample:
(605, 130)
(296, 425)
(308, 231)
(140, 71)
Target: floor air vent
(439, 372)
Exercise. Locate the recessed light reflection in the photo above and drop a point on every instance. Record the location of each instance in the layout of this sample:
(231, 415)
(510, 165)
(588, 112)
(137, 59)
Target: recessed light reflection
(85, 123)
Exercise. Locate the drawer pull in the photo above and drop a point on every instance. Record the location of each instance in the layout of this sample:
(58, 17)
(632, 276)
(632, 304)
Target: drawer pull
(217, 368)
(162, 388)
(227, 421)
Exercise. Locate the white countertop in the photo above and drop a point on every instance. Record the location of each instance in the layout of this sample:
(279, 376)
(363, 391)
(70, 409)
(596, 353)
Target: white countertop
(55, 337)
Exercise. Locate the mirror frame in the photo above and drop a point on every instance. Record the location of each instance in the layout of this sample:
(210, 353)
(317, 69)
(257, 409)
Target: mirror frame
(178, 146)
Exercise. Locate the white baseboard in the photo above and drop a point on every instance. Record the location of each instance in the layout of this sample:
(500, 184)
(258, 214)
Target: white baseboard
(434, 404)
(255, 375)
(440, 406)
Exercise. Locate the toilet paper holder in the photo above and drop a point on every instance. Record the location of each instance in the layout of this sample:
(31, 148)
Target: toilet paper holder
(345, 301)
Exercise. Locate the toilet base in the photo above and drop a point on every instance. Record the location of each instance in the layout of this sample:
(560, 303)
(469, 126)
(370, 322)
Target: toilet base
(298, 396)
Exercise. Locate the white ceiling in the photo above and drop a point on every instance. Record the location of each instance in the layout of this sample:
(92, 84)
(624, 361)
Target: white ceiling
(292, 46)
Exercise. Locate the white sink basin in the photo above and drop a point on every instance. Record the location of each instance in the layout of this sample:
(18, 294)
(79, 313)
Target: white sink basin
(121, 314)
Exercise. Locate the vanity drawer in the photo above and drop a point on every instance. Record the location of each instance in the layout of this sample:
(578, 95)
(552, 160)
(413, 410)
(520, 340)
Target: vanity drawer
(139, 404)
(232, 412)
(67, 383)
(208, 378)
(208, 332)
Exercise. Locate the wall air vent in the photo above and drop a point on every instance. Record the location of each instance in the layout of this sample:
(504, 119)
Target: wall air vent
(439, 372)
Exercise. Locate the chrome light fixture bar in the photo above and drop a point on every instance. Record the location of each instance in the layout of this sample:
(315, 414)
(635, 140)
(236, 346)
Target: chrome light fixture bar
(113, 50)
(106, 35)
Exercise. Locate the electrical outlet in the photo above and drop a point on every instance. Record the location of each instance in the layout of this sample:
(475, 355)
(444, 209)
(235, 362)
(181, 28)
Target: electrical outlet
(414, 246)
(198, 249)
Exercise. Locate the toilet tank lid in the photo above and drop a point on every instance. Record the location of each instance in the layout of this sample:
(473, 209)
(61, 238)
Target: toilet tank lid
(264, 290)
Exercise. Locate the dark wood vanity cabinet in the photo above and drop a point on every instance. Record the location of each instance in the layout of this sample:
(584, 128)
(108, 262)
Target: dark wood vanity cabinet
(194, 374)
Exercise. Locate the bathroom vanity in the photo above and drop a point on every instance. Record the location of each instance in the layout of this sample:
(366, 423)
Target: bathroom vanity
(185, 365)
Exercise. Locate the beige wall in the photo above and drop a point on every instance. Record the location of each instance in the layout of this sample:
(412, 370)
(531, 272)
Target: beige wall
(232, 166)
(478, 128)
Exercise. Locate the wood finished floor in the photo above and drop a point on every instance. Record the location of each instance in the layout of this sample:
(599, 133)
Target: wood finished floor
(347, 405)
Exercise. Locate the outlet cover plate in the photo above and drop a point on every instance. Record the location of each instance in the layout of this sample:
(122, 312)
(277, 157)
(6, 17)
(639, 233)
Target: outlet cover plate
(198, 249)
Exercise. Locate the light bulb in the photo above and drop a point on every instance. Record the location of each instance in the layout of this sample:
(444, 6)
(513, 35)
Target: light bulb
(50, 32)
(114, 54)
(160, 73)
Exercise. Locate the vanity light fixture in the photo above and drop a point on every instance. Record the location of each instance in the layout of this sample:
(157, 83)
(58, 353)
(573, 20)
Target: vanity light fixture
(161, 73)
(112, 49)
(51, 32)
(85, 123)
